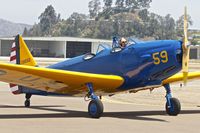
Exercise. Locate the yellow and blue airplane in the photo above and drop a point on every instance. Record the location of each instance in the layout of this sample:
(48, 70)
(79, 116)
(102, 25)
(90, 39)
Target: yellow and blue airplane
(138, 66)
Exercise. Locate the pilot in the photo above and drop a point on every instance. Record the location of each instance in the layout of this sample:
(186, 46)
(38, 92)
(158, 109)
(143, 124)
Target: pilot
(122, 42)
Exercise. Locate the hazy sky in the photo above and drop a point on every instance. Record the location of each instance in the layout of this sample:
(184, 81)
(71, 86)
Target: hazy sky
(27, 11)
(176, 9)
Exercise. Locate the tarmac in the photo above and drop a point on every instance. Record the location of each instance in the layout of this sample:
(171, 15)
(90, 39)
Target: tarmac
(142, 112)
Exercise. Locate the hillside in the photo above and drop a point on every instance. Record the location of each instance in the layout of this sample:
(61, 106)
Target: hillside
(8, 28)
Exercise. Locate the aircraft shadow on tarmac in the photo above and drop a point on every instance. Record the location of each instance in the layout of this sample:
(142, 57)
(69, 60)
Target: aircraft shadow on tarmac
(64, 113)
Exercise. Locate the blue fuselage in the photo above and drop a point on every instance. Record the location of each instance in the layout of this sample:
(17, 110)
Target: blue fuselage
(142, 64)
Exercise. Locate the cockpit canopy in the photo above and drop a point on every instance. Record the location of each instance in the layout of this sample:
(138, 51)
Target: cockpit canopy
(104, 48)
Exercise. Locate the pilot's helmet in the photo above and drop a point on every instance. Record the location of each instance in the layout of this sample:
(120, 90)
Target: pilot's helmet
(122, 40)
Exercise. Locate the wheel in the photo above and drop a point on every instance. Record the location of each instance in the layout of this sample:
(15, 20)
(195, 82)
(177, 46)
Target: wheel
(175, 107)
(95, 108)
(27, 103)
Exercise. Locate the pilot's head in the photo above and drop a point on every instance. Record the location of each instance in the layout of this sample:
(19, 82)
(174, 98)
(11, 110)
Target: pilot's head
(123, 42)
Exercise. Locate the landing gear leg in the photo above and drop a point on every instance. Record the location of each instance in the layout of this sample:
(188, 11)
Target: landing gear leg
(173, 106)
(95, 107)
(27, 101)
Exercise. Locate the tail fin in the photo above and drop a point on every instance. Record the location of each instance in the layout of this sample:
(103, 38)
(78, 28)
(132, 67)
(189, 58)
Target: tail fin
(21, 55)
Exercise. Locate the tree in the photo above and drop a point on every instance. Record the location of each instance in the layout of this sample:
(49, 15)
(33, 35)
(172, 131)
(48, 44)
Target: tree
(125, 18)
(94, 8)
(35, 31)
(107, 4)
(180, 23)
(153, 25)
(47, 19)
(59, 28)
(89, 29)
(78, 16)
(194, 41)
(165, 28)
(143, 14)
(25, 32)
(120, 3)
(104, 29)
(75, 24)
(137, 4)
(157, 26)
(169, 27)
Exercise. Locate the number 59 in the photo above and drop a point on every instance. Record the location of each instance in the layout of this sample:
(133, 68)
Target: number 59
(160, 57)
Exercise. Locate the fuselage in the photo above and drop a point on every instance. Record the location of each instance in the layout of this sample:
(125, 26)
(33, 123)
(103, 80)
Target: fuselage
(141, 65)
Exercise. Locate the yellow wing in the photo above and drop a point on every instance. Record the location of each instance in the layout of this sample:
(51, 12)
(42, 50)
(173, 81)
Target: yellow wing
(179, 77)
(58, 81)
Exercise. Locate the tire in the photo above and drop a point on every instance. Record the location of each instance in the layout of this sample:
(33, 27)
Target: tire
(176, 107)
(95, 109)
(27, 103)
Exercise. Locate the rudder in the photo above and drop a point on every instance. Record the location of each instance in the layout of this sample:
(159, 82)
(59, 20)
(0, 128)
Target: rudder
(21, 55)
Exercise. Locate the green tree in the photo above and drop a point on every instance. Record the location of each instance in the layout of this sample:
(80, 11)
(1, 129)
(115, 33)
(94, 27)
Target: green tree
(94, 8)
(120, 3)
(194, 41)
(75, 24)
(169, 27)
(143, 14)
(89, 29)
(107, 4)
(125, 18)
(126, 24)
(47, 19)
(180, 23)
(104, 29)
(59, 28)
(137, 4)
(25, 32)
(35, 31)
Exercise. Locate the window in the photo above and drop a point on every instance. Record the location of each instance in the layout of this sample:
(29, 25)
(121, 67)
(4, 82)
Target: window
(77, 48)
(179, 55)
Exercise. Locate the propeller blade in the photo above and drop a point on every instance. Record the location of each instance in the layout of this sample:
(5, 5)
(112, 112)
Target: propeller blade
(186, 49)
(185, 28)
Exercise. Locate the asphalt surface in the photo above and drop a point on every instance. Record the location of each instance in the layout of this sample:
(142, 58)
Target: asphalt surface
(142, 112)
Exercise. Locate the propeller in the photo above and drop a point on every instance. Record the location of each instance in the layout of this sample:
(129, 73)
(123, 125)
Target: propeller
(186, 49)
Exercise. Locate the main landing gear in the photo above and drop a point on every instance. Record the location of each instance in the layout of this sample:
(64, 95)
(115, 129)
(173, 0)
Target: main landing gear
(95, 107)
(173, 106)
(27, 101)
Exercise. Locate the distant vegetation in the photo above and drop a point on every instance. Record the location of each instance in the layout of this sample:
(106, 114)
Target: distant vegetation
(116, 18)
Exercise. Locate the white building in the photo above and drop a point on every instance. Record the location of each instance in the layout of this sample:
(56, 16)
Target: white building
(65, 47)
(60, 47)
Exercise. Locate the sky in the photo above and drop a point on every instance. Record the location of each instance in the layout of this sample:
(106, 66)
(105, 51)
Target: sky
(176, 9)
(28, 11)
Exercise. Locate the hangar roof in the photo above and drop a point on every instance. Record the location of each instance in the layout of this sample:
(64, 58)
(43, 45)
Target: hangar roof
(58, 39)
